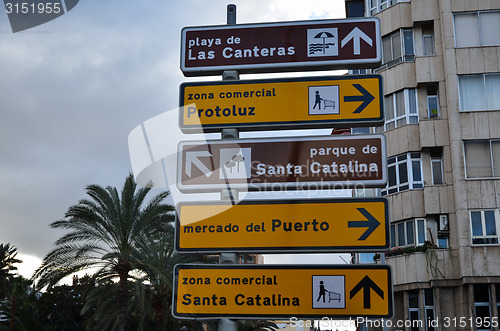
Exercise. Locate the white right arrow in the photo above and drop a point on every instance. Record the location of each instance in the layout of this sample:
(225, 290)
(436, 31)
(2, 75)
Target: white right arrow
(356, 35)
(193, 158)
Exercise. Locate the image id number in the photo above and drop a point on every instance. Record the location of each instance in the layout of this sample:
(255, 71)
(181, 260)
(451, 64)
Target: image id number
(462, 322)
(33, 8)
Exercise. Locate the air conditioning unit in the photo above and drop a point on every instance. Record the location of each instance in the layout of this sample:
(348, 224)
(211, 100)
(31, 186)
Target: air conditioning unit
(443, 223)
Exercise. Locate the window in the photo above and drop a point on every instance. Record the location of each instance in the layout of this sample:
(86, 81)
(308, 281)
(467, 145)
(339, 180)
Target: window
(437, 169)
(432, 102)
(398, 47)
(412, 232)
(429, 308)
(443, 241)
(479, 92)
(421, 231)
(482, 304)
(497, 291)
(482, 158)
(393, 235)
(402, 234)
(247, 259)
(391, 48)
(355, 8)
(365, 257)
(404, 173)
(358, 71)
(378, 5)
(428, 39)
(428, 45)
(484, 226)
(477, 29)
(400, 109)
(360, 130)
(413, 309)
(408, 48)
(426, 230)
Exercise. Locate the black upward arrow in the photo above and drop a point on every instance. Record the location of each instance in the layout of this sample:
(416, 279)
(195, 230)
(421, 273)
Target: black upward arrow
(366, 98)
(371, 223)
(366, 284)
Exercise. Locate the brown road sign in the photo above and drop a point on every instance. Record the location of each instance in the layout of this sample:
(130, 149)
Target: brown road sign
(286, 163)
(282, 291)
(286, 103)
(281, 46)
(283, 226)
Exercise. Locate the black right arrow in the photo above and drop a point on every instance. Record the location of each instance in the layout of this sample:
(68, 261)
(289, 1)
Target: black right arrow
(366, 284)
(366, 97)
(371, 223)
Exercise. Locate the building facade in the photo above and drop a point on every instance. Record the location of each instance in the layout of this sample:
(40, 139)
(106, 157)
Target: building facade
(441, 74)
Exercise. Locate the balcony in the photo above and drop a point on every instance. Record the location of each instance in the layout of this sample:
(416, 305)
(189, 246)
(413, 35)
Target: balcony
(423, 266)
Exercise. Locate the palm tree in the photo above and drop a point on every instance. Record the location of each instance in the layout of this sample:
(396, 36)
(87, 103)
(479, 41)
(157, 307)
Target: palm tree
(154, 285)
(106, 233)
(8, 255)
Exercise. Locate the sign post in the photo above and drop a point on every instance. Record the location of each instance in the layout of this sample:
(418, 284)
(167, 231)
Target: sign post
(314, 102)
(282, 291)
(298, 163)
(283, 226)
(229, 291)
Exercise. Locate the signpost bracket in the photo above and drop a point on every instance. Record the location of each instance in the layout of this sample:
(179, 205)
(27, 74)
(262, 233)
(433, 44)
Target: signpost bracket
(230, 134)
(228, 258)
(230, 75)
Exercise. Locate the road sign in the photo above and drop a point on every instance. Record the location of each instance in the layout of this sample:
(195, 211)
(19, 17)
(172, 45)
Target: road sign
(285, 163)
(282, 291)
(283, 226)
(312, 102)
(281, 46)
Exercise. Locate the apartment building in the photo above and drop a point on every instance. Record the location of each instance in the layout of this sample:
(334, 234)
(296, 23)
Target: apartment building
(441, 71)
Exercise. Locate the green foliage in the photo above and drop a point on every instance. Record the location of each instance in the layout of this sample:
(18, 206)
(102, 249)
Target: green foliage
(8, 255)
(20, 306)
(60, 308)
(408, 250)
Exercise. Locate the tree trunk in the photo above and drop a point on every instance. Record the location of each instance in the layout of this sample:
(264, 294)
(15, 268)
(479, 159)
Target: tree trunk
(122, 285)
(12, 313)
(161, 302)
(159, 316)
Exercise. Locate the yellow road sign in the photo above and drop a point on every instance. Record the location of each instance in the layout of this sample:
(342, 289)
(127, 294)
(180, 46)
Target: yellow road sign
(281, 291)
(282, 103)
(283, 226)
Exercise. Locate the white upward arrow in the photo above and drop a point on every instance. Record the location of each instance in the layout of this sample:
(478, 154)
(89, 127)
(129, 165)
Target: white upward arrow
(356, 35)
(193, 158)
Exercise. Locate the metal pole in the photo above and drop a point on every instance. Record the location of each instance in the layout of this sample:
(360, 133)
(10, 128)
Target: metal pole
(382, 261)
(230, 134)
(226, 324)
(231, 14)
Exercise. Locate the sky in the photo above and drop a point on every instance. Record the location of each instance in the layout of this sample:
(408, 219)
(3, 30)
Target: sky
(73, 89)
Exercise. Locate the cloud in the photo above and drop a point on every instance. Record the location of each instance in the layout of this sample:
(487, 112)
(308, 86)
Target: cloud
(71, 90)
